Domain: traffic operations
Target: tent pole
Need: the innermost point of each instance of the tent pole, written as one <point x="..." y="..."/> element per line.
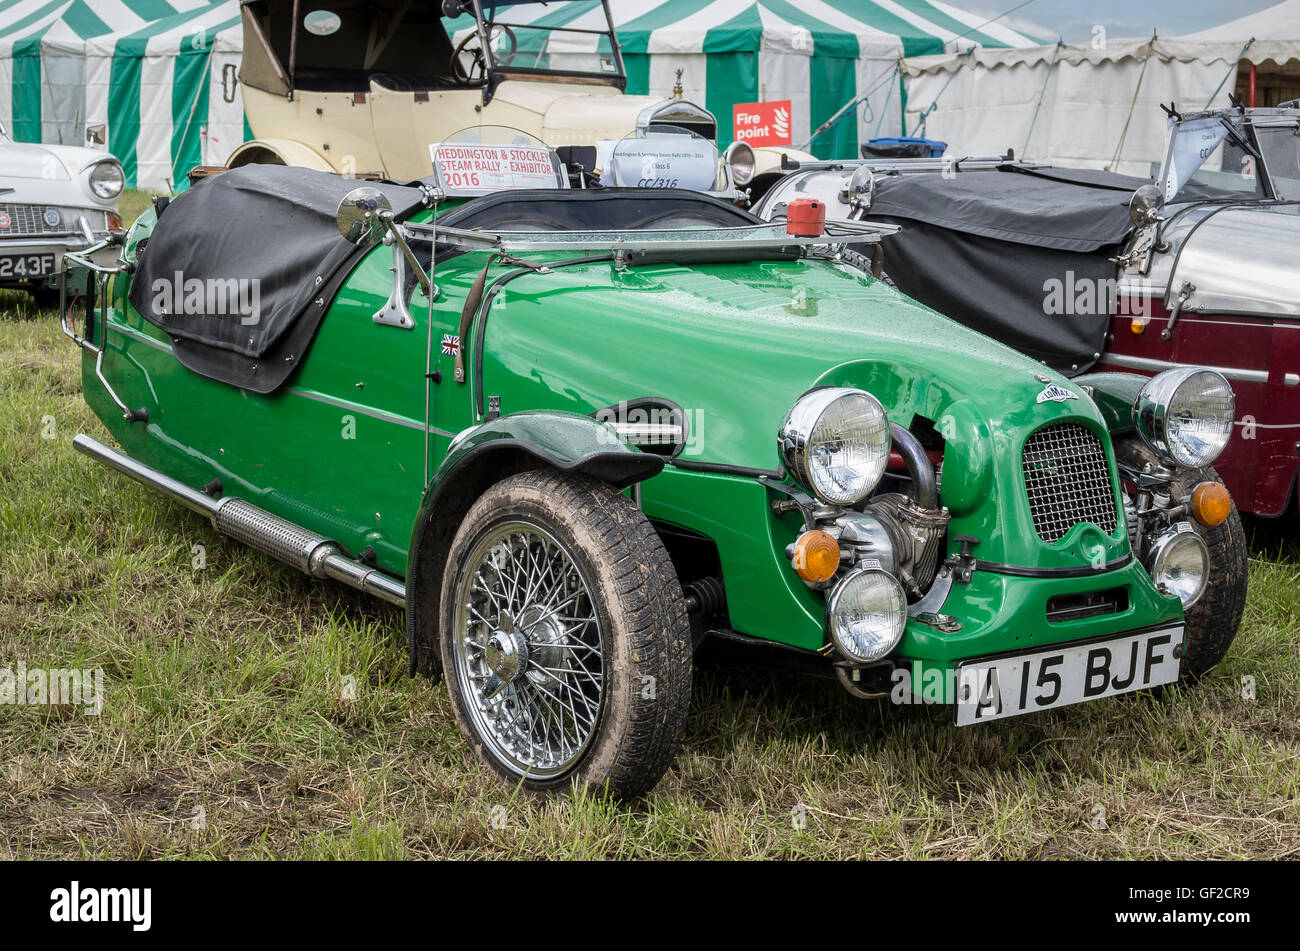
<point x="1060" y="42"/>
<point x="889" y="95"/>
<point x="1119" y="146"/>
<point x="840" y="113"/>
<point x="1232" y="72"/>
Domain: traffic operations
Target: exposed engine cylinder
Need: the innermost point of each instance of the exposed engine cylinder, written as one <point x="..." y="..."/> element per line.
<point x="918" y="536"/>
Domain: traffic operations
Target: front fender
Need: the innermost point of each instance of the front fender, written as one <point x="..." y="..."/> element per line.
<point x="482" y="456"/>
<point x="1114" y="394"/>
<point x="565" y="441"/>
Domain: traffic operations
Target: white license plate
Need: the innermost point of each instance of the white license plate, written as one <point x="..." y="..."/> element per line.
<point x="1026" y="683"/>
<point x="26" y="266"/>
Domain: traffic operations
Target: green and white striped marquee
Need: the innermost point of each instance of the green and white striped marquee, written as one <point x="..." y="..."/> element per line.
<point x="153" y="81"/>
<point x="42" y="61"/>
<point x="820" y="54"/>
<point x="167" y="96"/>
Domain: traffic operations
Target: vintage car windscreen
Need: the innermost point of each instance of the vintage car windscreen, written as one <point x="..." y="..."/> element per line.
<point x="342" y="45"/>
<point x="1280" y="145"/>
<point x="1212" y="157"/>
<point x="561" y="36"/>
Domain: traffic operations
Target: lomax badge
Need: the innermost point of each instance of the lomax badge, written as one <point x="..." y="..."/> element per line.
<point x="1057" y="394"/>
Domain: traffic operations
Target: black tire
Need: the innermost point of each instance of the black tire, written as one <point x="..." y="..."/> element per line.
<point x="1213" y="621"/>
<point x="578" y="528"/>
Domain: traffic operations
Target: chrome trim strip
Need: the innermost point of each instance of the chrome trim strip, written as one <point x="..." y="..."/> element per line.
<point x="318" y="397"/>
<point x="137" y="335"/>
<point x="372" y="413"/>
<point x="1243" y="424"/>
<point x="747" y="237"/>
<point x="1232" y="373"/>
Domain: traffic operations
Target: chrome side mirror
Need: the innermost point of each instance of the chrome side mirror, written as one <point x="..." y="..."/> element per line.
<point x="360" y="216"/>
<point x="860" y="190"/>
<point x="1144" y="208"/>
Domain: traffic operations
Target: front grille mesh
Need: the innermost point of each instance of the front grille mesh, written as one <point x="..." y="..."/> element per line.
<point x="29" y="220"/>
<point x="1068" y="481"/>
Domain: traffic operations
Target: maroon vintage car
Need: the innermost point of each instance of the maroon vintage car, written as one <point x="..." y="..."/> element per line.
<point x="1093" y="271"/>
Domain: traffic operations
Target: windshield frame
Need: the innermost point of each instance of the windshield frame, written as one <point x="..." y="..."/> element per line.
<point x="1250" y="120"/>
<point x="497" y="73"/>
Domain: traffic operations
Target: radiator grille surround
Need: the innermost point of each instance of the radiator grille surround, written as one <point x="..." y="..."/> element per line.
<point x="28" y="221"/>
<point x="1067" y="479"/>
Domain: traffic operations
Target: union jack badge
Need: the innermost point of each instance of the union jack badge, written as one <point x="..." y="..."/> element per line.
<point x="450" y="344"/>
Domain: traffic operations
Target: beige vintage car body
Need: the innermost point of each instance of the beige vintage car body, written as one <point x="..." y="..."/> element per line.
<point x="374" y="122"/>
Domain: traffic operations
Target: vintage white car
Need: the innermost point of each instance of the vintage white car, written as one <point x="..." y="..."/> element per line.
<point x="364" y="89"/>
<point x="53" y="199"/>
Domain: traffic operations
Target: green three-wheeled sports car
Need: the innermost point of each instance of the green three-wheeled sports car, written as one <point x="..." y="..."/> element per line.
<point x="578" y="432"/>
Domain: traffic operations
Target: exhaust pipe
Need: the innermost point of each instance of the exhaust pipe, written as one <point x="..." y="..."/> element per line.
<point x="312" y="554"/>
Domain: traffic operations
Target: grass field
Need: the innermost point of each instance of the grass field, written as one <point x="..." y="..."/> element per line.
<point x="228" y="730"/>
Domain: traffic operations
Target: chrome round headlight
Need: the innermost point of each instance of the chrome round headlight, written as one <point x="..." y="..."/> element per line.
<point x="1186" y="415"/>
<point x="835" y="441"/>
<point x="107" y="180"/>
<point x="867" y="613"/>
<point x="1179" y="562"/>
<point x="740" y="163"/>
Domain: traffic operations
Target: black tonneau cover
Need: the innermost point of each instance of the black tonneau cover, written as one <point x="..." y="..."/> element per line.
<point x="267" y="224"/>
<point x="983" y="247"/>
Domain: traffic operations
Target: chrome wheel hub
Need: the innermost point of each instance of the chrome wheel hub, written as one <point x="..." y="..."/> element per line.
<point x="529" y="650"/>
<point x="506" y="654"/>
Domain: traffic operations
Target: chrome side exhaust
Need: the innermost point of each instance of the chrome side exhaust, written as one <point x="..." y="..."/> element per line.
<point x="312" y="554"/>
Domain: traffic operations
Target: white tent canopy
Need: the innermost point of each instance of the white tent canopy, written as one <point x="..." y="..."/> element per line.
<point x="819" y="54"/>
<point x="42" y="60"/>
<point x="1091" y="105"/>
<point x="1276" y="32"/>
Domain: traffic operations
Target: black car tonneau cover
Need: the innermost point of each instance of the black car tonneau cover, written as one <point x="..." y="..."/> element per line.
<point x="982" y="247"/>
<point x="265" y="223"/>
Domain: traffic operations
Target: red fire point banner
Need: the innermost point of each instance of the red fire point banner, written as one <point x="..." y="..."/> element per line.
<point x="763" y="123"/>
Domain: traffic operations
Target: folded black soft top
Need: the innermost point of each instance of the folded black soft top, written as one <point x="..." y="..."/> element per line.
<point x="1064" y="209"/>
<point x="1008" y="253"/>
<point x="267" y="224"/>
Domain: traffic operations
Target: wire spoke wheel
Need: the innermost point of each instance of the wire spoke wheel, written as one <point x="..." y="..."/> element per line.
<point x="529" y="650"/>
<point x="564" y="637"/>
